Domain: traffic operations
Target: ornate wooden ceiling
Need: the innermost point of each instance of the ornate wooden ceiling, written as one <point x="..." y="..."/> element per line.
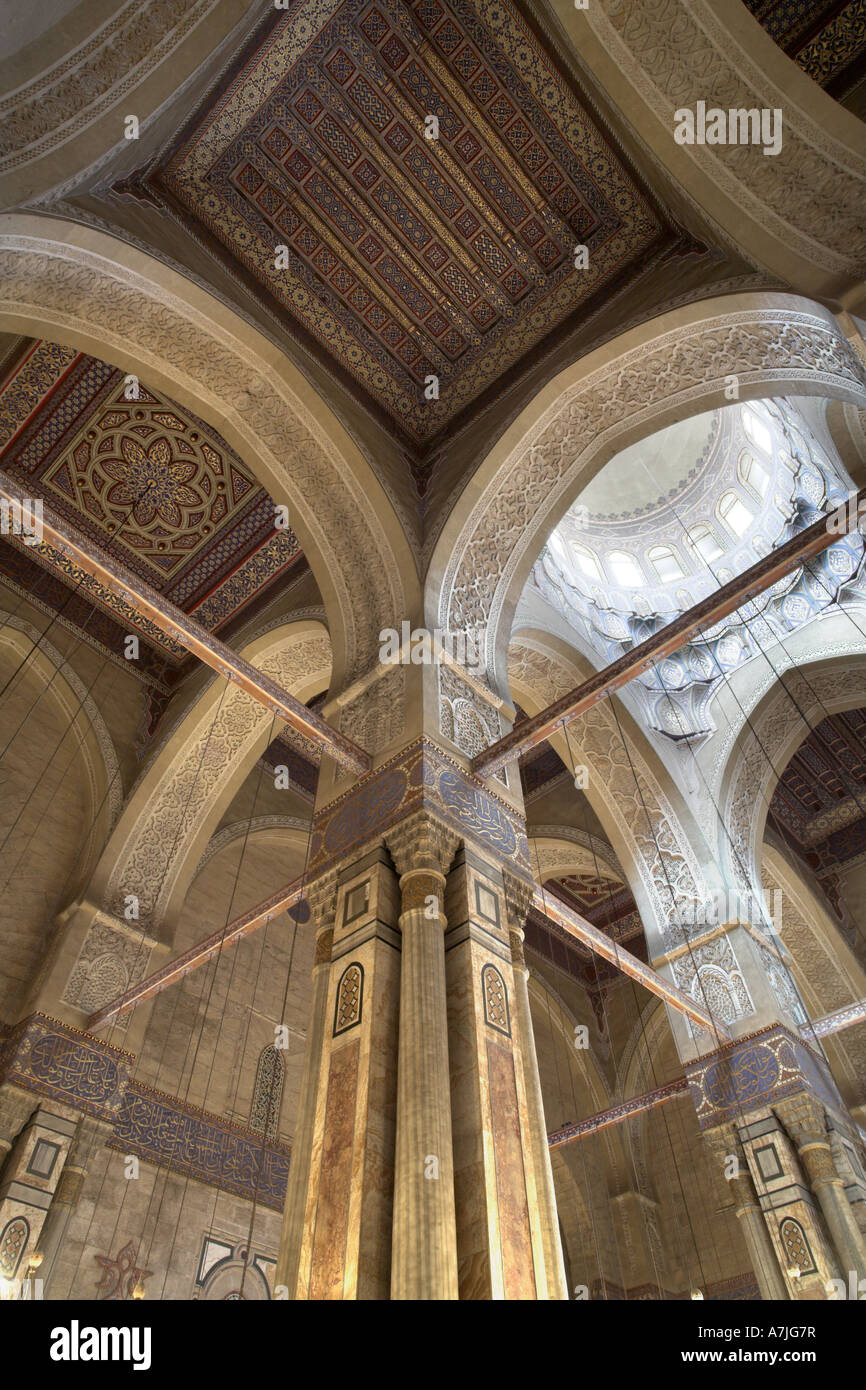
<point x="147" y="480"/>
<point x="823" y="788"/>
<point x="826" y="37"/>
<point x="407" y="257"/>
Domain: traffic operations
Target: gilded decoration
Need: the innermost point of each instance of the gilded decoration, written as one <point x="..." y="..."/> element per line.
<point x="407" y="255"/>
<point x="420" y="778"/>
<point x="175" y="505"/>
<point x="495" y="1000"/>
<point x="350" y="995"/>
<point x="758" y="1070"/>
<point x="75" y="1068"/>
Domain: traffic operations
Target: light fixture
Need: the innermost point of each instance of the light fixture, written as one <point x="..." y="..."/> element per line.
<point x="696" y="1293"/>
<point x="138" y="1291"/>
<point x="35" y="1260"/>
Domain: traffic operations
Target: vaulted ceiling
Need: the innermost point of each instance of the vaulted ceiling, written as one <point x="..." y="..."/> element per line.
<point x="827" y="38"/>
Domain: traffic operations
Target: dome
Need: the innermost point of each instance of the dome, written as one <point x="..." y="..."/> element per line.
<point x="668" y="521"/>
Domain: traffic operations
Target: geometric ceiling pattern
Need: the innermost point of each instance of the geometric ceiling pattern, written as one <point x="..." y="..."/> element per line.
<point x="819" y="805"/>
<point x="404" y="256"/>
<point x="146" y="480"/>
<point x="827" y="38"/>
<point x="823" y="788"/>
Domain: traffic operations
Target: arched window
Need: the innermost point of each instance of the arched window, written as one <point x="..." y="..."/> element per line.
<point x="268" y="1094"/>
<point x="702" y="540"/>
<point x="586" y="562"/>
<point x="666" y="563"/>
<point x="557" y="545"/>
<point x="732" y="510"/>
<point x="625" y="569"/>
<point x="757" y="432"/>
<point x="753" y="475"/>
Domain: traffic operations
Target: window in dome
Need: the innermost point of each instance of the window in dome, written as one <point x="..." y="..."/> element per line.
<point x="703" y="541"/>
<point x="755" y="477"/>
<point x="757" y="431"/>
<point x="586" y="562"/>
<point x="556" y="545"/>
<point x="625" y="569"/>
<point x="733" y="511"/>
<point x="666" y="563"/>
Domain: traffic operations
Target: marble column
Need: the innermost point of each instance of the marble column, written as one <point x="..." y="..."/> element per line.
<point x="725" y="1147"/>
<point x="322" y="904"/>
<point x="424" y="1242"/>
<point x="16" y="1107"/>
<point x="518" y="899"/>
<point x="805" y="1121"/>
<point x="30" y="1176"/>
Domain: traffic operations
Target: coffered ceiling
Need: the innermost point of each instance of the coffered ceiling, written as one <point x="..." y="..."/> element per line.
<point x="407" y="258"/>
<point x="146" y="480"/>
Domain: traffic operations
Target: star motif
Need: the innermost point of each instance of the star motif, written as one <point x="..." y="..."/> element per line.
<point x="151" y="483"/>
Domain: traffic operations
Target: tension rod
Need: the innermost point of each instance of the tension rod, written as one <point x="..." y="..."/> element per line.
<point x="172" y="621"/>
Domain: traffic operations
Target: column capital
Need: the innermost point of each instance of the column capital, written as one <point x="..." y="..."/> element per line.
<point x="518" y="900"/>
<point x="805" y="1120"/>
<point x="16" y="1107"/>
<point x="421" y="842"/>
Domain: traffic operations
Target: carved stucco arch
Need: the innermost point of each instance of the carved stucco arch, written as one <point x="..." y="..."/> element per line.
<point x="282" y="830"/>
<point x="557" y="850"/>
<point x="83" y="719"/>
<point x="66" y="283"/>
<point x="198" y="766"/>
<point x="541" y="668"/>
<point x="673" y="367"/>
<point x="826" y="971"/>
<point x="764" y="748"/>
<point x="71" y="86"/>
<point x="798" y="213"/>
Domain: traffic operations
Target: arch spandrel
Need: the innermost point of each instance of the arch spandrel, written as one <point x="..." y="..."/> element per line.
<point x="190" y="781"/>
<point x="825" y="969"/>
<point x="663" y="867"/>
<point x="84" y="289"/>
<point x="65" y="687"/>
<point x="675" y="366"/>
<point x="797" y="212"/>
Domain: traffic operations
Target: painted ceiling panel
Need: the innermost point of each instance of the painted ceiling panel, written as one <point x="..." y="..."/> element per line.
<point x="145" y="479"/>
<point x="407" y="257"/>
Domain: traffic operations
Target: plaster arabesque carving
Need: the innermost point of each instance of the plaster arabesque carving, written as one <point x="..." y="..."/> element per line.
<point x="155" y="850"/>
<point x="679" y="52"/>
<point x="758" y="760"/>
<point x="124" y="310"/>
<point x="665" y="860"/>
<point x="71" y="94"/>
<point x="686" y="364"/>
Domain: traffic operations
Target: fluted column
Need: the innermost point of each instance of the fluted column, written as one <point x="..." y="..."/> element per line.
<point x="424" y="1242"/>
<point x="322" y="901"/>
<point x="518" y="900"/>
<point x="806" y="1124"/>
